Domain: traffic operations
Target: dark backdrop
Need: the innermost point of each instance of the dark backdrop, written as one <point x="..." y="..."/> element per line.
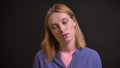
<point x="22" y="29"/>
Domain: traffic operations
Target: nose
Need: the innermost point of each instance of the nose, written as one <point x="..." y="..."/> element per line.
<point x="61" y="28"/>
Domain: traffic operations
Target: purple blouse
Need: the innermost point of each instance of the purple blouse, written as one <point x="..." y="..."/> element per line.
<point x="82" y="58"/>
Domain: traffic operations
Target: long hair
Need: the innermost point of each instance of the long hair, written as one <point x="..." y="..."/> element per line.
<point x="50" y="44"/>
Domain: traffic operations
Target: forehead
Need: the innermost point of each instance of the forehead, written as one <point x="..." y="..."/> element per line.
<point x="56" y="17"/>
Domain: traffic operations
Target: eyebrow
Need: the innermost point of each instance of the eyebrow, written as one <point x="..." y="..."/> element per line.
<point x="64" y="18"/>
<point x="60" y="20"/>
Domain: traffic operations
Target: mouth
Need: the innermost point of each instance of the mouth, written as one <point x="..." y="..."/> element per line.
<point x="65" y="35"/>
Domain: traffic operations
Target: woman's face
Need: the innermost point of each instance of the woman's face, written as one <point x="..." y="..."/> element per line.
<point x="62" y="26"/>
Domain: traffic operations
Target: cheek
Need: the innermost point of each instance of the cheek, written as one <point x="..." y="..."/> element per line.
<point x="72" y="27"/>
<point x="55" y="33"/>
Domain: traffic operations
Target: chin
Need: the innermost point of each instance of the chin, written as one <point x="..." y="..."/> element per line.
<point x="67" y="40"/>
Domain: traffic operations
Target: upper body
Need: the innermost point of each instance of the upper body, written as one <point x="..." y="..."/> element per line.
<point x="64" y="44"/>
<point x="85" y="58"/>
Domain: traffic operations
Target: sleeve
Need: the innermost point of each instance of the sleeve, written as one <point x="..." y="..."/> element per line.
<point x="93" y="59"/>
<point x="36" y="62"/>
<point x="39" y="60"/>
<point x="98" y="63"/>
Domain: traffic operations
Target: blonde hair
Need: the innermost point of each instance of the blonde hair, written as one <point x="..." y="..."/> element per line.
<point x="49" y="44"/>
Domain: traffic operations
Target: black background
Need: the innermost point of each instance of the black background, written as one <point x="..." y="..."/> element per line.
<point x="22" y="29"/>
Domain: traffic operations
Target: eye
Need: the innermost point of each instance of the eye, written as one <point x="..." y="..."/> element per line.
<point x="54" y="26"/>
<point x="64" y="21"/>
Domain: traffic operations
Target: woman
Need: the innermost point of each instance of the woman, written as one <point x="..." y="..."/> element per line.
<point x="64" y="45"/>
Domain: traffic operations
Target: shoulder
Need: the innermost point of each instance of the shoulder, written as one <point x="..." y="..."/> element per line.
<point x="92" y="55"/>
<point x="90" y="51"/>
<point x="39" y="60"/>
<point x="40" y="54"/>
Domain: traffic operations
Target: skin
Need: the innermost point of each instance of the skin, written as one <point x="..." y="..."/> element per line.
<point x="63" y="29"/>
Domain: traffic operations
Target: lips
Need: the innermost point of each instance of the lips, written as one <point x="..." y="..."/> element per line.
<point x="65" y="35"/>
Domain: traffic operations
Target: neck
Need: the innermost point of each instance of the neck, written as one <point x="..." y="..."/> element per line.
<point x="68" y="47"/>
